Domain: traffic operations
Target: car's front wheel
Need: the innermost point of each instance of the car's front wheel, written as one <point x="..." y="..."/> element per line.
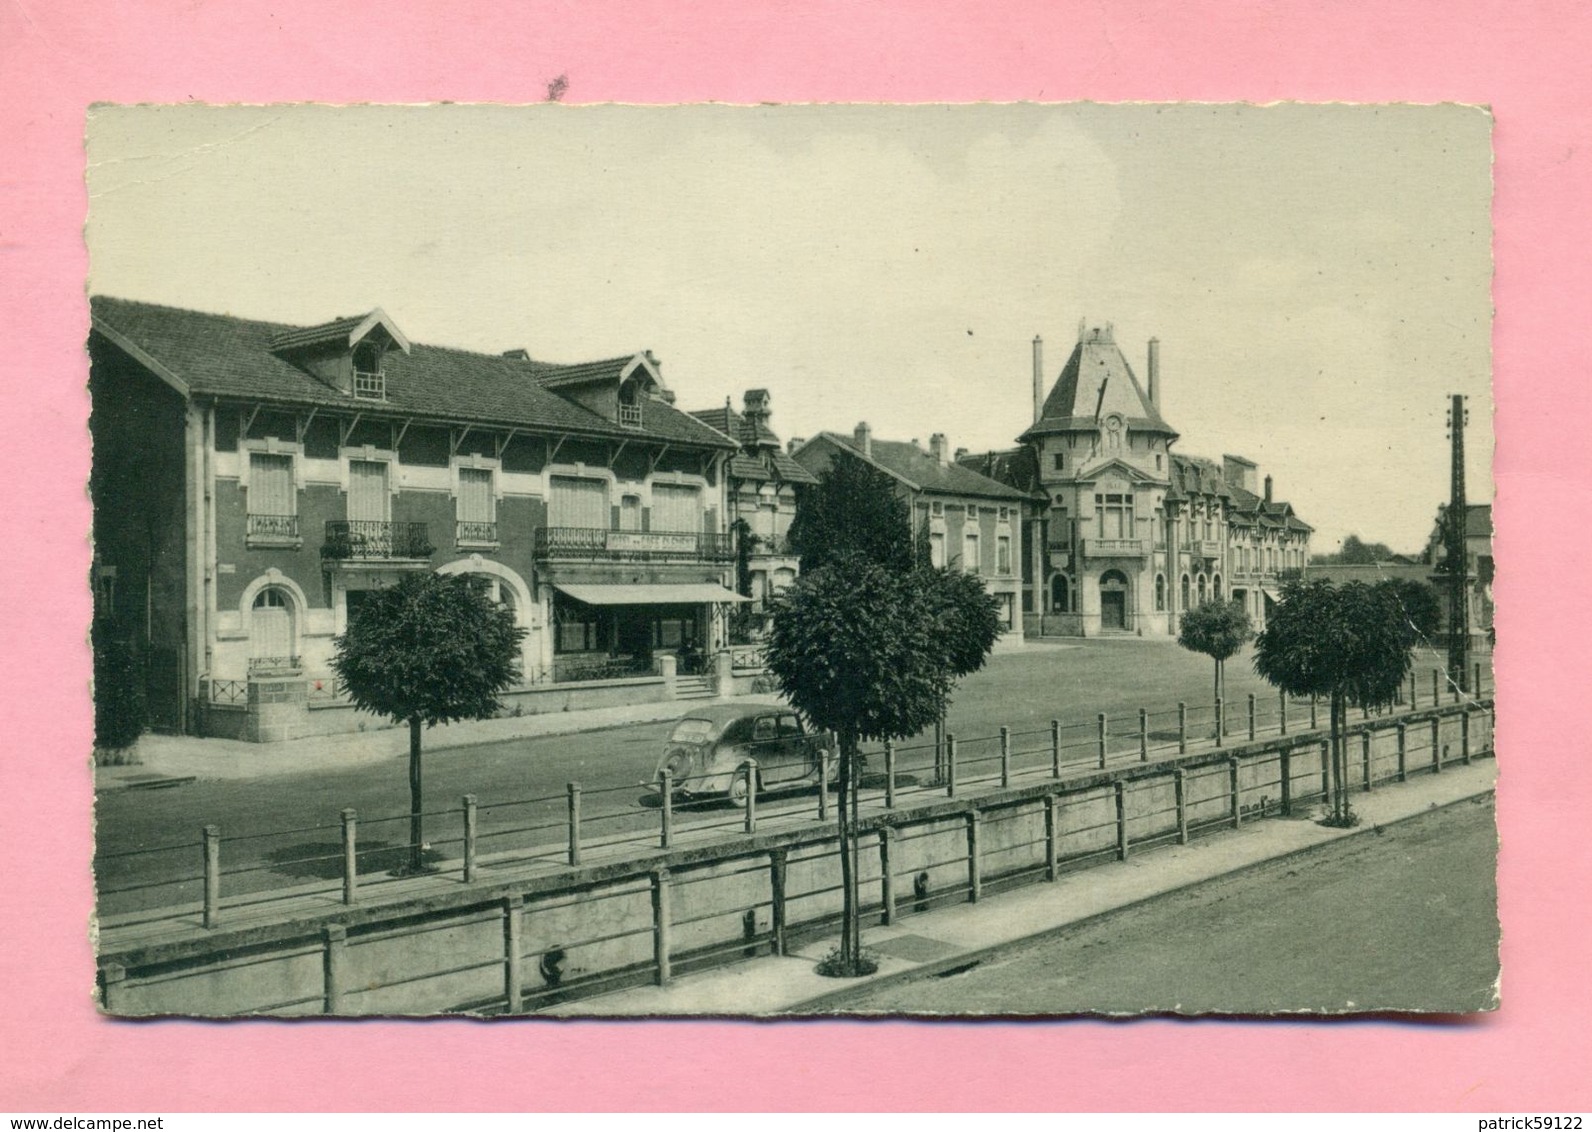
<point x="740" y="787"/>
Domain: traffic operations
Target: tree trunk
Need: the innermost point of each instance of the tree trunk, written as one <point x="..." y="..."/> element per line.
<point x="1340" y="783"/>
<point x="416" y="808"/>
<point x="848" y="879"/>
<point x="856" y="878"/>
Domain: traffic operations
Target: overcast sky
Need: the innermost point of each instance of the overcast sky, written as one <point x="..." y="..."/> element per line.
<point x="1319" y="277"/>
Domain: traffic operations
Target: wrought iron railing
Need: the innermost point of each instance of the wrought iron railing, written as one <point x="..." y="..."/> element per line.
<point x="370" y="385"/>
<point x="1114" y="548"/>
<point x="229" y="691"/>
<point x="273" y="527"/>
<point x="640" y="546"/>
<point x="372" y="539"/>
<point x="567" y="669"/>
<point x="472" y="533"/>
<point x="630" y="416"/>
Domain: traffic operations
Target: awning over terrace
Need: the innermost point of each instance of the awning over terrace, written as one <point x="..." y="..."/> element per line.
<point x="682" y="593"/>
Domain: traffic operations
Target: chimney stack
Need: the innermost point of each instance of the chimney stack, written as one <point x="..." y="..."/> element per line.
<point x="1155" y="374"/>
<point x="795" y="443"/>
<point x="960" y="452"/>
<point x="864" y="438"/>
<point x="1039" y="377"/>
<point x="1268" y="489"/>
<point x="939" y="449"/>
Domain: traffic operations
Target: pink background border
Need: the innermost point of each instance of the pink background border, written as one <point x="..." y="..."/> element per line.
<point x="1528" y="61"/>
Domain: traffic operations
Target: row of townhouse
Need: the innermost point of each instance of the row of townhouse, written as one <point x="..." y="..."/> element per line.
<point x="253" y="482"/>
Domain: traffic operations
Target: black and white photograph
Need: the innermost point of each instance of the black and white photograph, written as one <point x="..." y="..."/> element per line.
<point x="985" y="560"/>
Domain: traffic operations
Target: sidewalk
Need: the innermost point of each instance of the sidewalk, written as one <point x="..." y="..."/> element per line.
<point x="169" y="759"/>
<point x="923" y="944"/>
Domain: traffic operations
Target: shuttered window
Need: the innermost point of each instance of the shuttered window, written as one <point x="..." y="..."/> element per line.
<point x="475" y="496"/>
<point x="367" y="491"/>
<point x="270" y="484"/>
<point x="676" y="508"/>
<point x="578" y="503"/>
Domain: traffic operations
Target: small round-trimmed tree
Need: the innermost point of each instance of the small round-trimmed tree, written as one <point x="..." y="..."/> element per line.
<point x="853" y="508"/>
<point x="1218" y="629"/>
<point x="1350" y="644"/>
<point x="871" y="653"/>
<point x="432" y="649"/>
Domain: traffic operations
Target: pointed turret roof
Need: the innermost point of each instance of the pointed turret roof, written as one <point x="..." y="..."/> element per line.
<point x="1076" y="401"/>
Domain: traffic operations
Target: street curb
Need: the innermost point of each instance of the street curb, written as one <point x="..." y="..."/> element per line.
<point x="829" y="1005"/>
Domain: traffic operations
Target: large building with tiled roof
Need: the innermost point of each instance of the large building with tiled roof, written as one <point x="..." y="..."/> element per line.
<point x="763" y="486"/>
<point x="252" y="481"/>
<point x="1125" y="534"/>
<point x="971" y="521"/>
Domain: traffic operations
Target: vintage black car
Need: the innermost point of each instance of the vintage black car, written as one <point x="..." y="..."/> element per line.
<point x="725" y="749"/>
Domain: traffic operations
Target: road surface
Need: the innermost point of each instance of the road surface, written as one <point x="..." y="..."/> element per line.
<point x="1399" y="920"/>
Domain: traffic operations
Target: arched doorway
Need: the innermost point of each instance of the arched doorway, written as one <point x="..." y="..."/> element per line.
<point x="271" y="631"/>
<point x="1113" y="600"/>
<point x="1060" y="594"/>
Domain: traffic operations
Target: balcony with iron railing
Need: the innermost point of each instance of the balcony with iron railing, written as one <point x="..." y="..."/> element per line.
<point x="273" y="530"/>
<point x="630" y="416"/>
<point x="474" y="533"/>
<point x="374" y="540"/>
<point x="1115" y="547"/>
<point x="596" y="544"/>
<point x="1207" y="548"/>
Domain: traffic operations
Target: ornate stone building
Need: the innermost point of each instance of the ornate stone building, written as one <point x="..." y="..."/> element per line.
<point x="1125" y="533"/>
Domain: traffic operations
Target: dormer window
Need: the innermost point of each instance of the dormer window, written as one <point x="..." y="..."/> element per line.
<point x="629" y="405"/>
<point x="370" y="383"/>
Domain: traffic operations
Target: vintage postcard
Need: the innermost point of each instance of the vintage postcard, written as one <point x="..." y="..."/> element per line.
<point x="786" y="560"/>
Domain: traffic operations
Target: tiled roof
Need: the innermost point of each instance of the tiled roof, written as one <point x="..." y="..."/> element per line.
<point x="1014" y="467"/>
<point x="220" y="355"/>
<point x="789" y="470"/>
<point x="1195" y="475"/>
<point x="750" y="433"/>
<point x="922" y="471"/>
<point x="1075" y="401"/>
<point x="337" y="329"/>
<point x="1248" y="509"/>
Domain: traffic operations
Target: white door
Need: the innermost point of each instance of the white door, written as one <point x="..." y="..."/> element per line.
<point x="270" y="629"/>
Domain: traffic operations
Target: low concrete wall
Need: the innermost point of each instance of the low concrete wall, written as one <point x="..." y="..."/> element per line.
<point x="511" y="946"/>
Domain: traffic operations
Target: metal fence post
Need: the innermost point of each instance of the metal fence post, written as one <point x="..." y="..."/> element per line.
<point x="1180" y="790"/>
<point x="112" y="976"/>
<point x="750" y="769"/>
<point x="1144" y="736"/>
<point x="513" y="981"/>
<point x="1475" y="686"/>
<point x="1437" y="689"/>
<point x="886" y="875"/>
<point x="823" y="785"/>
<point x="1404" y="746"/>
<point x="661" y="930"/>
<point x="573" y="791"/>
<point x="469" y="838"/>
<point x="666" y="810"/>
<point x="1365" y="757"/>
<point x="1252" y="717"/>
<point x="350" y="856"/>
<point x="1122" y="819"/>
<point x="974" y="865"/>
<point x="950" y="765"/>
<point x="889" y="774"/>
<point x="1464" y="735"/>
<point x="334" y="942"/>
<point x="1101" y="725"/>
<point x="1055" y="748"/>
<point x="1314" y="721"/>
<point x="211" y="836"/>
<point x="778" y="863"/>
<point x="1414" y="684"/>
<point x="1285" y="765"/>
<point x="1221" y="722"/>
<point x="1437" y="746"/>
<point x="1182" y="728"/>
<point x="1233" y="792"/>
<point x="1006" y="756"/>
<point x="1326" y="770"/>
<point x="1052" y="834"/>
<point x="1282" y="712"/>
